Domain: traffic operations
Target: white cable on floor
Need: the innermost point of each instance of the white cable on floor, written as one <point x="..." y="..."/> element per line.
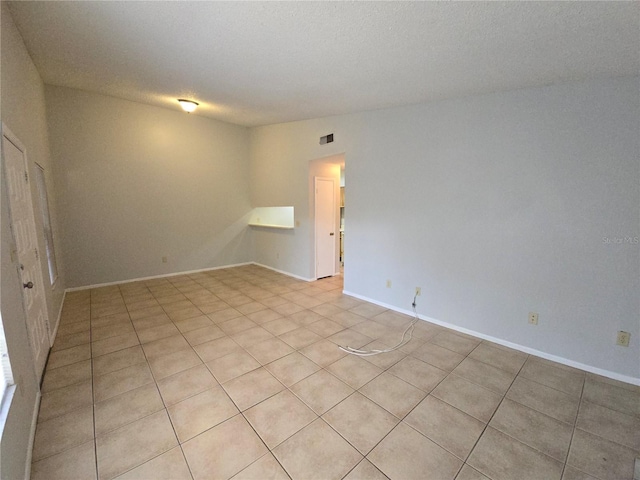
<point x="403" y="342"/>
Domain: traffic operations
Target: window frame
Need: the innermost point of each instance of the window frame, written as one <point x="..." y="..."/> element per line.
<point x="43" y="201"/>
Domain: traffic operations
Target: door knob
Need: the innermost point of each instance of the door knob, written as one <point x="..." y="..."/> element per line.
<point x="28" y="285"/>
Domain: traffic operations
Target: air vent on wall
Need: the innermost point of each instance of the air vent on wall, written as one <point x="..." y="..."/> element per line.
<point x="326" y="139"/>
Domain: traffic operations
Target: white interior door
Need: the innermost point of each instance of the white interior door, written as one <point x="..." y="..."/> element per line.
<point x="325" y="207"/>
<point x="23" y="228"/>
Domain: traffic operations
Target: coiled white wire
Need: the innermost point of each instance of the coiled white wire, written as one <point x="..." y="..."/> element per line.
<point x="403" y="341"/>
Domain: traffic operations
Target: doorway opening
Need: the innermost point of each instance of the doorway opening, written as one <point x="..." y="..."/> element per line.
<point x="327" y="214"/>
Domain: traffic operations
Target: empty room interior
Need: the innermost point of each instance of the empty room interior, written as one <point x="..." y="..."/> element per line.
<point x="373" y="240"/>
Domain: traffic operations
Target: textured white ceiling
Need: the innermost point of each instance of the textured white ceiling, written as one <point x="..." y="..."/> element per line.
<point x="256" y="63"/>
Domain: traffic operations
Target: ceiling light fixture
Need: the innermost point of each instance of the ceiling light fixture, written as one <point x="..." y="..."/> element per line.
<point x="187" y="105"/>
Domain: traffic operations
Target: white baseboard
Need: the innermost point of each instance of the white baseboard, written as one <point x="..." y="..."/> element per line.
<point x="32" y="437"/>
<point x="164" y="275"/>
<point x="499" y="341"/>
<point x="289" y="274"/>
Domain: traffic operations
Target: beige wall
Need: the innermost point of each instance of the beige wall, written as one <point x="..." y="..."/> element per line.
<point x="138" y="183"/>
<point x="23" y="112"/>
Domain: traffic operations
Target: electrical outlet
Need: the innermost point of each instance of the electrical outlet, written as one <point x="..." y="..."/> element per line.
<point x="623" y="339"/>
<point x="388" y="283"/>
<point x="418" y="291"/>
<point x="297" y="223"/>
<point x="278" y="256"/>
<point x="533" y="318"/>
<point x="164" y="259"/>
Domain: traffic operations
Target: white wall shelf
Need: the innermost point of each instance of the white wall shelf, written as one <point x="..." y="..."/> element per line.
<point x="266" y="225"/>
<point x="272" y="217"/>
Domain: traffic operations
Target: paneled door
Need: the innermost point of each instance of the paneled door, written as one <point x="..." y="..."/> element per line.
<point x="325" y="209"/>
<point x="23" y="228"/>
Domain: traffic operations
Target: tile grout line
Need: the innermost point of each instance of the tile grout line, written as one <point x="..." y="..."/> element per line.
<point x="93" y="390"/>
<point x="493" y="414"/>
<point x="153" y="413"/>
<point x="395" y="426"/>
<point x="575" y="425"/>
<point x="123" y="393"/>
<point x="269" y="450"/>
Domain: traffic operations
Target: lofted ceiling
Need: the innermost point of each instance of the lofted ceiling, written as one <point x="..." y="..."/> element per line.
<point x="257" y="63"/>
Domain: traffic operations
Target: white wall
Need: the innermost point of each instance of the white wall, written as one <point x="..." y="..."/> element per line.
<point x="495" y="205"/>
<point x="138" y="183"/>
<point x="23" y="112"/>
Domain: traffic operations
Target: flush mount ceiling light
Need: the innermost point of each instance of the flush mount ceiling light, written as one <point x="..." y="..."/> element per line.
<point x="187" y="105"/>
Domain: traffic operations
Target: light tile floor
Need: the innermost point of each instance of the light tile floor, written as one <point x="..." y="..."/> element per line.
<point x="236" y="373"/>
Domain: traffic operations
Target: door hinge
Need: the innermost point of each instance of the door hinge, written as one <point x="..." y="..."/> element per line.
<point x="26" y="177"/>
<point x="37" y="255"/>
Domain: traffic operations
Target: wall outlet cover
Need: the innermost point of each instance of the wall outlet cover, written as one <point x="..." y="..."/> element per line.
<point x="623" y="339"/>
